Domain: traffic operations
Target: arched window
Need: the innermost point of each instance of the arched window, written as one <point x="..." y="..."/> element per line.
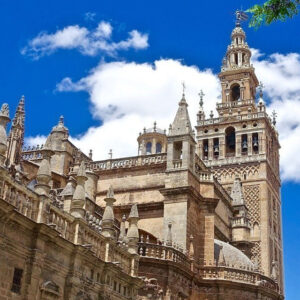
<point x="158" y="147"/>
<point x="236" y="58"/>
<point x="230" y="141"/>
<point x="255" y="142"/>
<point x="235" y="92"/>
<point x="148" y="148"/>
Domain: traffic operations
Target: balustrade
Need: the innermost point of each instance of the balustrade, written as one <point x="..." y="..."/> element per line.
<point x="239" y="274"/>
<point x="163" y="252"/>
<point x="128" y="162"/>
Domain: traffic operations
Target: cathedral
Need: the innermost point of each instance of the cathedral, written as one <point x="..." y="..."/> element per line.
<point x="195" y="215"/>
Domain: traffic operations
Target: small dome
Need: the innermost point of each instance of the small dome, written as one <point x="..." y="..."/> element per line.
<point x="238" y="31"/>
<point x="60" y="127"/>
<point x="232" y="256"/>
<point x="158" y="130"/>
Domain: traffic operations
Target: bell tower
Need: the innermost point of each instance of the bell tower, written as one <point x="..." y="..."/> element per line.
<point x="242" y="141"/>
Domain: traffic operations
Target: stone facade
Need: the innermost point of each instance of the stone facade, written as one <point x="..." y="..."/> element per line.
<point x="195" y="215"/>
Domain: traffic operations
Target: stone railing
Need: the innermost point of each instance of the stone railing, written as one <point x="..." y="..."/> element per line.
<point x="238" y="275"/>
<point x="244" y="117"/>
<point x="232" y="104"/>
<point x="200" y="163"/>
<point x="163" y="252"/>
<point x="128" y="162"/>
<point x="240" y="221"/>
<point x="177" y="163"/>
<point x="61" y="222"/>
<point x="206" y="176"/>
<point x="221" y="189"/>
<point x="32" y="153"/>
<point x="24" y="201"/>
<point x="235" y="160"/>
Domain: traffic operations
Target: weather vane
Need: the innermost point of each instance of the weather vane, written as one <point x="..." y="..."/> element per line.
<point x="240" y="16"/>
<point x="201" y="95"/>
<point x="261" y="86"/>
<point x="183" y="88"/>
<point x="274" y="116"/>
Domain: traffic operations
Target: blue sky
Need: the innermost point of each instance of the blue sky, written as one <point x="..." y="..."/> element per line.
<point x="124" y="88"/>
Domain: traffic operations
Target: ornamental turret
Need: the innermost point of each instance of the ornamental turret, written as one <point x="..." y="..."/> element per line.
<point x="181" y="140"/>
<point x="152" y="141"/>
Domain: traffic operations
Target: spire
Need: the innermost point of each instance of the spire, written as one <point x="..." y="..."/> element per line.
<point x="237" y="193"/>
<point x="133" y="231"/>
<point x="181" y="124"/>
<point x="16" y="135"/>
<point x="4" y="119"/>
<point x="108" y="215"/>
<point x="78" y="202"/>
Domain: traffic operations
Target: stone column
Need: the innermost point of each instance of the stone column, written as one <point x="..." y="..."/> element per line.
<point x="250" y="146"/>
<point x="210" y="149"/>
<point x="238" y="141"/>
<point x="222" y="147"/>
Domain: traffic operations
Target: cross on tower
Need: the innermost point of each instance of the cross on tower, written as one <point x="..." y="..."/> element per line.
<point x="261" y="86"/>
<point x="110" y="154"/>
<point x="201" y="95"/>
<point x="274" y="116"/>
<point x="183" y="88"/>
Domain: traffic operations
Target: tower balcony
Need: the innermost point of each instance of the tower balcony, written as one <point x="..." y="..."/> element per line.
<point x="234" y="104"/>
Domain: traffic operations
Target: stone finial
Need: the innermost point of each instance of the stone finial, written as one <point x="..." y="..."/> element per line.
<point x="201" y="95"/>
<point x="237" y="192"/>
<point x="110" y="192"/>
<point x="221" y="258"/>
<point x="4" y="119"/>
<point x="274" y="271"/>
<point x="133" y="231"/>
<point x="169" y="235"/>
<point x="154" y="126"/>
<point x="91" y="154"/>
<point x="78" y="202"/>
<point x="191" y="247"/>
<point x="211" y="114"/>
<point x="110" y="154"/>
<point x="108" y="215"/>
<point x="274" y="116"/>
<point x="122" y="229"/>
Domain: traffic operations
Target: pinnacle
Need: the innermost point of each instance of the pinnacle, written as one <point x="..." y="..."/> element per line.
<point x="133" y="212"/>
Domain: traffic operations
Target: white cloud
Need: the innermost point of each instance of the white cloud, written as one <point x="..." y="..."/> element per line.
<point x="88" y="42"/>
<point x="281" y="77"/>
<point x="127" y="96"/>
<point x="35" y="140"/>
